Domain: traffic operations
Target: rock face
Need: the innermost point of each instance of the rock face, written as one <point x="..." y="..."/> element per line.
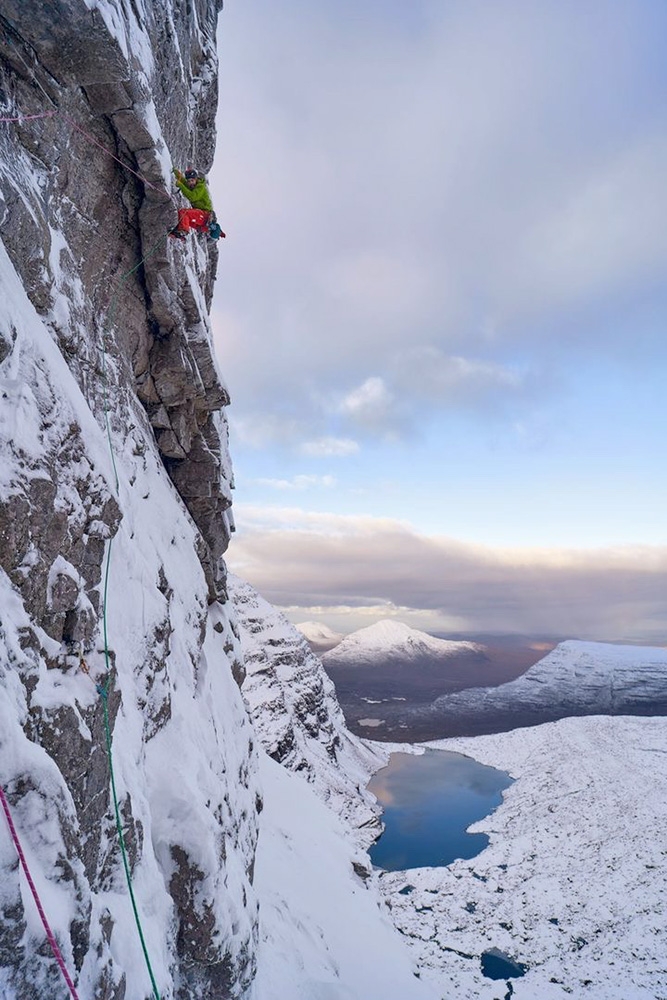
<point x="129" y="87"/>
<point x="105" y="349"/>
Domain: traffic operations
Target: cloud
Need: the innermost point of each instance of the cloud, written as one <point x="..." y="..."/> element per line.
<point x="305" y="560"/>
<point x="370" y="404"/>
<point x="606" y="232"/>
<point x="423" y="380"/>
<point x="265" y="429"/>
<point x="301" y="482"/>
<point x="377" y="285"/>
<point x="392" y="178"/>
<point x="453" y="381"/>
<point x="329" y="447"/>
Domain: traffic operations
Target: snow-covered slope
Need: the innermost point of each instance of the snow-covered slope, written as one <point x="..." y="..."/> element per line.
<point x="574" y="881"/>
<point x="182" y="755"/>
<point x="324" y="931"/>
<point x="387" y="641"/>
<point x="323" y="934"/>
<point x="576" y="678"/>
<point x="105" y="350"/>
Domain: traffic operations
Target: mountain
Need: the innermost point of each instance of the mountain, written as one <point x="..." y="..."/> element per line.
<point x="293" y="705"/>
<point x="576" y="678"/>
<point x="320" y="637"/>
<point x="175" y="771"/>
<point x="390" y="641"/>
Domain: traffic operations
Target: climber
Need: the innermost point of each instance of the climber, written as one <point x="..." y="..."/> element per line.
<point x="201" y="216"/>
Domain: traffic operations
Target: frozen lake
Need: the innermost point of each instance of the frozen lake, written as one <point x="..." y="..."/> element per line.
<point x="428" y="801"/>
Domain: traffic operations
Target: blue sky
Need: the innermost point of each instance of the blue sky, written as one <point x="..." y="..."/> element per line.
<point x="441" y="310"/>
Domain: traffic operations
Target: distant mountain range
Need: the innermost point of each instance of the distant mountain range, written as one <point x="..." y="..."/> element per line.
<point x="403" y="684"/>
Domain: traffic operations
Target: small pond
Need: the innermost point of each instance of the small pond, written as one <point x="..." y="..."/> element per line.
<point x="429" y="800"/>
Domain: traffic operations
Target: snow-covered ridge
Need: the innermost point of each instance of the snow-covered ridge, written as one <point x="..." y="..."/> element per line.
<point x="293" y="705"/>
<point x="389" y="640"/>
<point x="576" y="678"/>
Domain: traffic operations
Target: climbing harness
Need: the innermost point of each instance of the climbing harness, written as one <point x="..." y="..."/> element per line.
<point x="35" y="895"/>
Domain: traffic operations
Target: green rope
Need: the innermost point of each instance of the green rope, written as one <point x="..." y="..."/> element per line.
<point x="119" y="827"/>
<point x="103" y="690"/>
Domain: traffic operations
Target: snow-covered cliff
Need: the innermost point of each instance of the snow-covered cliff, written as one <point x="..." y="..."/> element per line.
<point x="297" y="717"/>
<point x="112" y="432"/>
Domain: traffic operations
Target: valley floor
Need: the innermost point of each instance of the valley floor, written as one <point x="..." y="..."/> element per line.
<point x="574" y="881"/>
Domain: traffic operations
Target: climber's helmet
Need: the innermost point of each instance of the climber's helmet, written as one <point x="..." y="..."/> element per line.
<point x="191" y="176"/>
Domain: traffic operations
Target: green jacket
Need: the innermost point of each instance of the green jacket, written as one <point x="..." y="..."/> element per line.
<point x="198" y="196"/>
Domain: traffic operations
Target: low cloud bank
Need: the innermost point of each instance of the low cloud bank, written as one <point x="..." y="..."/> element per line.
<point x="356" y="570"/>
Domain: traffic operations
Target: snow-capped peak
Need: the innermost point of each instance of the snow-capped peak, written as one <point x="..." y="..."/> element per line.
<point x="389" y="639"/>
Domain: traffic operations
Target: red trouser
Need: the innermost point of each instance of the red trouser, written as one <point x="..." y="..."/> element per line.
<point x="193" y="218"/>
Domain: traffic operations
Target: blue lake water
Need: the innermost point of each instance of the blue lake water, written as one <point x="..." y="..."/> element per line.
<point x="428" y="801"/>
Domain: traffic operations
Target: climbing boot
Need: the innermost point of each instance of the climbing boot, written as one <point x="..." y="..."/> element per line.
<point x="178" y="234"/>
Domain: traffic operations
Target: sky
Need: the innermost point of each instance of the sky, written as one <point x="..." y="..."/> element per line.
<point x="441" y="311"/>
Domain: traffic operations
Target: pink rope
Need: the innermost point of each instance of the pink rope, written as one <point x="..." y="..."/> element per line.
<point x="49" y="933"/>
<point x="29" y="118"/>
<point x="90" y="138"/>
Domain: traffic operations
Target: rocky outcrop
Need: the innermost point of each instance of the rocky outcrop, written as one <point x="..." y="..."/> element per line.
<point x="296" y="714"/>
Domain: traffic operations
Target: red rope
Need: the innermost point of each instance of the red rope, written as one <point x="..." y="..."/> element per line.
<point x="49" y="933"/>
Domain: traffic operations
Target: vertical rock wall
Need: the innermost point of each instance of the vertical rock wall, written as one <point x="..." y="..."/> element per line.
<point x="96" y="351"/>
<point x="139" y="81"/>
